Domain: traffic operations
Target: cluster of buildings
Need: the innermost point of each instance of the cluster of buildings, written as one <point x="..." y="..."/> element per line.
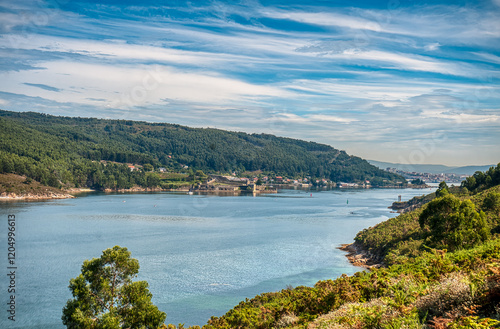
<point x="429" y="178"/>
<point x="218" y="184"/>
<point x="299" y="182"/>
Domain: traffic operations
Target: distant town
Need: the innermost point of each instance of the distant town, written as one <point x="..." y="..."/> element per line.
<point x="428" y="177"/>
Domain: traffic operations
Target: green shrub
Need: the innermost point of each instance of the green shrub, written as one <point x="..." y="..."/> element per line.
<point x="454" y="224"/>
<point x="492" y="202"/>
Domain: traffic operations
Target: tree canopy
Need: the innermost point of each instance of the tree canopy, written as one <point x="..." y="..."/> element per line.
<point x="106" y="297"/>
<point x="483" y="180"/>
<point x="454" y="224"/>
<point x="442" y="189"/>
<point x="492" y="201"/>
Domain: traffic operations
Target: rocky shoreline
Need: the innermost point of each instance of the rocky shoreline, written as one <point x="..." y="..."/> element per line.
<point x="34" y="197"/>
<point x="67" y="194"/>
<point x="73" y="192"/>
<point x="358" y="256"/>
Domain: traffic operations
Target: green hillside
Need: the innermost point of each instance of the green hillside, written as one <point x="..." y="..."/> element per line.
<point x="89" y="152"/>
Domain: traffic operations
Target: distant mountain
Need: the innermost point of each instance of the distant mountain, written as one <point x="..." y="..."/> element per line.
<point x="431" y="169"/>
<point x="469" y="170"/>
<point x="92" y="152"/>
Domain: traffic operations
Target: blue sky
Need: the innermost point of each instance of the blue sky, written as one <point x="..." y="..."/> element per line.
<point x="397" y="80"/>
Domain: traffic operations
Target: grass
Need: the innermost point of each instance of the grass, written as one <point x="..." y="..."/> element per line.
<point x="15" y="185"/>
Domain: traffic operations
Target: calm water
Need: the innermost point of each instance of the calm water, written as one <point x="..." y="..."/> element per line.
<point x="200" y="254"/>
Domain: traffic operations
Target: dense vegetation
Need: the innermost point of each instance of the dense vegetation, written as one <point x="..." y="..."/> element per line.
<point x="440" y="269"/>
<point x="19" y="186"/>
<point x="105" y="297"/>
<point x="89" y="152"/>
<point x="482" y="180"/>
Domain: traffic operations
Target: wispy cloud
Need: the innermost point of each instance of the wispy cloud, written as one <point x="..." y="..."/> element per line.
<point x="324" y="19"/>
<point x="42" y="86"/>
<point x="133" y="86"/>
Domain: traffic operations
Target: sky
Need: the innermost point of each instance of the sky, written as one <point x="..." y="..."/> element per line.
<point x="414" y="82"/>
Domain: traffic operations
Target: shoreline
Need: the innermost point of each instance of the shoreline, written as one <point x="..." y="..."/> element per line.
<point x="71" y="193"/>
<point x="35" y="197"/>
<point x="360" y="257"/>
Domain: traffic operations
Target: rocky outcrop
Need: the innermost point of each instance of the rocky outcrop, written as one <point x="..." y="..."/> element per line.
<point x="358" y="256"/>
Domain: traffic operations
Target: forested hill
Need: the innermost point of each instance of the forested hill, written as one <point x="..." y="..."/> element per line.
<point x="68" y="150"/>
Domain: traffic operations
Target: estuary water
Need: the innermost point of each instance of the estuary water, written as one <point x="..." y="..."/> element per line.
<point x="200" y="254"/>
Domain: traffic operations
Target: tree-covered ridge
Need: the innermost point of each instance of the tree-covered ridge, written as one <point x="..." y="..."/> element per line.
<point x="483" y="180"/>
<point x="452" y="220"/>
<point x="56" y="150"/>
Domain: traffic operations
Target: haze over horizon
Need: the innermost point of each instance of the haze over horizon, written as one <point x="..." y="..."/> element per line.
<point x="396" y="81"/>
